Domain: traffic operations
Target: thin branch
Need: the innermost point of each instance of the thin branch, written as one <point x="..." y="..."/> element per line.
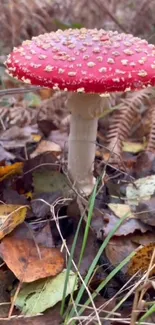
<point x="13" y="91"/>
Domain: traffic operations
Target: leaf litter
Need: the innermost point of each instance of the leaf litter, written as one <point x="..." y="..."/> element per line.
<point x="33" y="179"/>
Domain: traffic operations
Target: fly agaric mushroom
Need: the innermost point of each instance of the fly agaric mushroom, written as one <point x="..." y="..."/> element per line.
<point x="90" y="64"/>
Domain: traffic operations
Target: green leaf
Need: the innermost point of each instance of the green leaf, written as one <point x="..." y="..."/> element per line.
<point x="50" y="181"/>
<point x="141" y="189"/>
<point x="32" y="99"/>
<point x="40" y="295"/>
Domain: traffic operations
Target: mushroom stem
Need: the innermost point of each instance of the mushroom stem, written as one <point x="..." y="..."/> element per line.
<point x="85" y="109"/>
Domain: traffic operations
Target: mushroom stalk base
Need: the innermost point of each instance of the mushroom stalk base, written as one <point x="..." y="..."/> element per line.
<point x="83" y="131"/>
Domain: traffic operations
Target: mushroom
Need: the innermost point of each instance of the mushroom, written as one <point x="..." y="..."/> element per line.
<point x="89" y="64"/>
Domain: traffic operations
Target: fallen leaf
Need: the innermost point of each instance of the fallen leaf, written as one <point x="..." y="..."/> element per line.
<point x="7" y="171"/>
<point x="46" y="126"/>
<point x="103" y="224"/>
<point x="32" y="99"/>
<point x="141" y="261"/>
<point x="6" y="281"/>
<point x="51" y="181"/>
<point x="45" y="146"/>
<point x="144" y="239"/>
<point x="44" y="319"/>
<point x="10" y="217"/>
<point x="46" y="93"/>
<point x="145" y="211"/>
<point x="42" y="234"/>
<point x="141" y="189"/>
<point x="121" y="210"/>
<point x="41" y="203"/>
<point x="144" y="165"/>
<point x="36" y="137"/>
<point x="16" y="137"/>
<point x="38" y="296"/>
<point x="59" y="137"/>
<point x="118" y="249"/>
<point x="30" y="261"/>
<point x="39" y="162"/>
<point x="133" y="147"/>
<point x="5" y="155"/>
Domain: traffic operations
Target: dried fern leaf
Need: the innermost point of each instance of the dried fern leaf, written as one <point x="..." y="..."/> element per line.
<point x="123" y="118"/>
<point x="151" y="138"/>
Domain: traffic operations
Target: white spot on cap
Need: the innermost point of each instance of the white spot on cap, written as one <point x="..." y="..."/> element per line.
<point x="111" y="61"/>
<point x="128" y="52"/>
<point x="49" y="68"/>
<point x="132" y="64"/>
<point x="91" y="64"/>
<point x="72" y="73"/>
<point x="42" y="57"/>
<point x="124" y="62"/>
<point x="27" y="81"/>
<point x="99" y="58"/>
<point x="60" y="71"/>
<point x="116" y="53"/>
<point x="103" y="69"/>
<point x="96" y="50"/>
<point x="81" y="90"/>
<point x="142" y="73"/>
<point x="119" y="71"/>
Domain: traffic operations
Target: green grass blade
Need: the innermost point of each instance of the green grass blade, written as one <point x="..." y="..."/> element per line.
<point x="95" y="261"/>
<point x="150" y="311"/>
<point x="108" y="278"/>
<point x="69" y="265"/>
<point x="89" y="218"/>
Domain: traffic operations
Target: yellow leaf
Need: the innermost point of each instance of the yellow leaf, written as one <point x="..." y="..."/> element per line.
<point x="133" y="147"/>
<point x="121" y="210"/>
<point x="36" y="137"/>
<point x="141" y="261"/>
<point x="7" y="171"/>
<point x="10" y="217"/>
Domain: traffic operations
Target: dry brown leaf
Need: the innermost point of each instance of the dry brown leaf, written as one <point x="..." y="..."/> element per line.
<point x="104" y="224"/>
<point x="10" y="217"/>
<point x="7" y="171"/>
<point x="118" y="249"/>
<point x="45" y="146"/>
<point x="144" y="239"/>
<point x="141" y="260"/>
<point x="46" y="93"/>
<point x="30" y="261"/>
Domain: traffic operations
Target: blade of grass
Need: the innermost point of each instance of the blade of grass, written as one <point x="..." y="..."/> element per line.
<point x="69" y="265"/>
<point x="108" y="278"/>
<point x="95" y="261"/>
<point x="150" y="311"/>
<point x="91" y="207"/>
<point x="89" y="218"/>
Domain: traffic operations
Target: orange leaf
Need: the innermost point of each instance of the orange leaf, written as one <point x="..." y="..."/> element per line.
<point x="141" y="260"/>
<point x="30" y="261"/>
<point x="7" y="171"/>
<point x="10" y="217"/>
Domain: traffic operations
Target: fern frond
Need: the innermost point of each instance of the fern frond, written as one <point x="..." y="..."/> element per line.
<point x="151" y="138"/>
<point x="124" y="116"/>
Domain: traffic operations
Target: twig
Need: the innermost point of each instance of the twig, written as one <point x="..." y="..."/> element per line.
<point x="13" y="91"/>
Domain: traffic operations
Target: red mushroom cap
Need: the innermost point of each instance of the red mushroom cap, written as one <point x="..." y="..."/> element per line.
<point x="84" y="60"/>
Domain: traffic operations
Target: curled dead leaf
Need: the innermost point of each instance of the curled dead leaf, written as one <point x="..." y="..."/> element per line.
<point x="10" y="217"/>
<point x="30" y="261"/>
<point x="45" y="146"/>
